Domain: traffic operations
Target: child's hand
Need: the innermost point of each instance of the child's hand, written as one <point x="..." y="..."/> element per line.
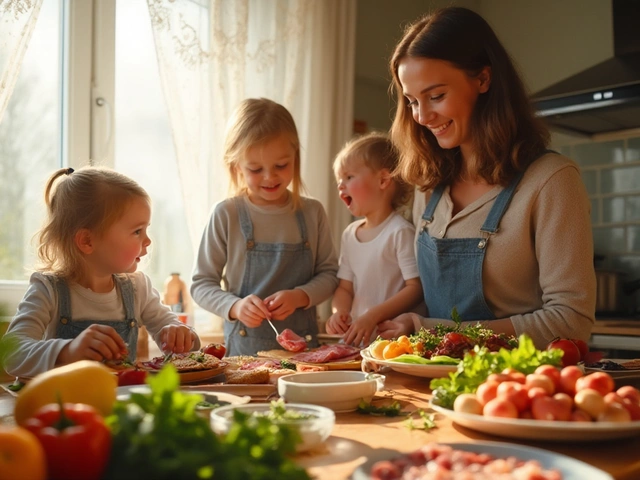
<point x="177" y="338"/>
<point x="283" y="303"/>
<point x="96" y="342"/>
<point x="250" y="310"/>
<point x="361" y="330"/>
<point x="338" y="323"/>
<point x="401" y="325"/>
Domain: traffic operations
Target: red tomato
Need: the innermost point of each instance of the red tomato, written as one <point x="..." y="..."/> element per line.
<point x="216" y="349"/>
<point x="571" y="352"/>
<point x="630" y="393"/>
<point x="131" y="376"/>
<point x="582" y="347"/>
<point x="550" y="409"/>
<point x="516" y="393"/>
<point x="76" y="428"/>
<point x="599" y="381"/>
<point x="568" y="378"/>
<point x="552" y="372"/>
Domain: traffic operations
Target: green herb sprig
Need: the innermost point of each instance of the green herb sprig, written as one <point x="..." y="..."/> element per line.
<point x="159" y="435"/>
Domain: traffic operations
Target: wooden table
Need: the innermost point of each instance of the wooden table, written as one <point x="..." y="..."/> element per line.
<point x="356" y="437"/>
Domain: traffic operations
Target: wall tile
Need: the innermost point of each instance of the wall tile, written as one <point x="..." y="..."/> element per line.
<point x="608" y="239"/>
<point x="589" y="178"/>
<point x="633" y="150"/>
<point x="632" y="211"/>
<point x="633" y="238"/>
<point x="605" y="153"/>
<point x="613" y="210"/>
<point x="619" y="180"/>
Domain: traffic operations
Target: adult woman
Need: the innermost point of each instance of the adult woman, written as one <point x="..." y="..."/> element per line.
<point x="505" y="236"/>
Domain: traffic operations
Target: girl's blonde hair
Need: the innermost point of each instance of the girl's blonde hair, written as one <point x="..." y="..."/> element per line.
<point x="254" y="122"/>
<point x="91" y="198"/>
<point x="377" y="152"/>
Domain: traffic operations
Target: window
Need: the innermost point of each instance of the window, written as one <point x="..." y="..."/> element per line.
<point x="143" y="144"/>
<point x="30" y="143"/>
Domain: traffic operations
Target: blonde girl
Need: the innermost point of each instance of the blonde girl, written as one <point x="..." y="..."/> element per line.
<point x="266" y="252"/>
<point x="371" y="291"/>
<point x="86" y="300"/>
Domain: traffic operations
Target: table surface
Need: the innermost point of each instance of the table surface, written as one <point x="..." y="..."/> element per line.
<point x="357" y="437"/>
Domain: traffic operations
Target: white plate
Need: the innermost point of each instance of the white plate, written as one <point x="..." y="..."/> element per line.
<point x="123" y="393"/>
<point x="429" y="371"/>
<point x="541" y="429"/>
<point x="570" y="468"/>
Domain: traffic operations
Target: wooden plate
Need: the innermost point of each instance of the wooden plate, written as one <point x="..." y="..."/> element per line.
<point x="337" y="365"/>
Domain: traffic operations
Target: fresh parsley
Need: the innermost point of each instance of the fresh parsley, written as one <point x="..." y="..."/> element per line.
<point x="428" y="421"/>
<point x="159" y="435"/>
<point x="392" y="410"/>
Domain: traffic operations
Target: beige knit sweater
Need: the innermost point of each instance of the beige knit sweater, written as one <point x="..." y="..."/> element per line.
<point x="538" y="269"/>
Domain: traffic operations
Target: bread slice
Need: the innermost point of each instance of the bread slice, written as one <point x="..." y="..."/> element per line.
<point x="194" y="361"/>
<point x="247" y="377"/>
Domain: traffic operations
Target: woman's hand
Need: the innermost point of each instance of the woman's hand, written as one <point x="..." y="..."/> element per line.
<point x="338" y="323"/>
<point x="250" y="310"/>
<point x="96" y="342"/>
<point x="401" y="325"/>
<point x="177" y="338"/>
<point x="283" y="303"/>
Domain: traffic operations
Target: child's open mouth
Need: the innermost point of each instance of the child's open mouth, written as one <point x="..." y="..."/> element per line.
<point x="346" y="199"/>
<point x="272" y="189"/>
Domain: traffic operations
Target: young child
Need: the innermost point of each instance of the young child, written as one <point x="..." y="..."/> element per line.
<point x="270" y="246"/>
<point x="378" y="272"/>
<point x="86" y="300"/>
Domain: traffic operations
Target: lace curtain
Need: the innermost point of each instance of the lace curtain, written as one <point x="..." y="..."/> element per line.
<point x="17" y="21"/>
<point x="214" y="53"/>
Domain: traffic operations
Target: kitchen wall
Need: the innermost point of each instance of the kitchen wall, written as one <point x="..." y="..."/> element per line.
<point x="549" y="40"/>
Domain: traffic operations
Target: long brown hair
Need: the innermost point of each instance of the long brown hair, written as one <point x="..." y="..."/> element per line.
<point x="256" y="121"/>
<point x="90" y="197"/>
<point x="507" y="135"/>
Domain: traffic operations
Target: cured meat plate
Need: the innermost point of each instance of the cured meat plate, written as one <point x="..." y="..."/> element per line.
<point x="338" y="364"/>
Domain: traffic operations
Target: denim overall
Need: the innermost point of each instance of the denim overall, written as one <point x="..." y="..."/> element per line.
<point x="127" y="329"/>
<point x="451" y="268"/>
<point x="269" y="268"/>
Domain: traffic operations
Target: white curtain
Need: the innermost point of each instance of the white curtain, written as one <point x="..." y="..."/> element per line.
<point x="214" y="53"/>
<point x="17" y="21"/>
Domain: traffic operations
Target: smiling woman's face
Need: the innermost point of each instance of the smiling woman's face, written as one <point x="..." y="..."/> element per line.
<point x="442" y="98"/>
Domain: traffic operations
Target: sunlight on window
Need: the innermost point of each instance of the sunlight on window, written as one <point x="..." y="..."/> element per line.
<point x="144" y="148"/>
<point x="30" y="135"/>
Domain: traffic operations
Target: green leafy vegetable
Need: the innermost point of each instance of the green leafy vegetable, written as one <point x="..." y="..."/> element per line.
<point x="428" y="421"/>
<point x="477" y="365"/>
<point x="392" y="410"/>
<point x="287" y="364"/>
<point x="278" y="412"/>
<point x="434" y="360"/>
<point x="16" y="386"/>
<point x="159" y="435"/>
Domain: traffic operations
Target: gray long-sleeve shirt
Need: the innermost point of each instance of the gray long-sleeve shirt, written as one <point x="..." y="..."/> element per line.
<point x="219" y="268"/>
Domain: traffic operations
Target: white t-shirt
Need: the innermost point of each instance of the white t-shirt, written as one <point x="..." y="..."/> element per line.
<point x="378" y="268"/>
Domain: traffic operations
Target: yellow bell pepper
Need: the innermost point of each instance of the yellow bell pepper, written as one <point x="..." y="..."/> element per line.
<point x="85" y="381"/>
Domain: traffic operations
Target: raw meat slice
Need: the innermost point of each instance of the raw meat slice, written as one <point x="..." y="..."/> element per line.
<point x="328" y="353"/>
<point x="291" y="341"/>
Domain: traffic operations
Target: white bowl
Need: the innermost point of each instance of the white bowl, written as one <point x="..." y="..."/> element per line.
<point x="313" y="431"/>
<point x="338" y="390"/>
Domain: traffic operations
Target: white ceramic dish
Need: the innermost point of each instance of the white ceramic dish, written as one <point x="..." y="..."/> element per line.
<point x="338" y="390"/>
<point x="313" y="431"/>
<point x="543" y="430"/>
<point x="428" y="371"/>
<point x="570" y="468"/>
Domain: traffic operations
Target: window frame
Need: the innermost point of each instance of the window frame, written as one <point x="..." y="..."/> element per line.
<point x="88" y="58"/>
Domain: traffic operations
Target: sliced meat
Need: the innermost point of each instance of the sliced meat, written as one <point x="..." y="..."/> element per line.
<point x="291" y="341"/>
<point x="328" y="353"/>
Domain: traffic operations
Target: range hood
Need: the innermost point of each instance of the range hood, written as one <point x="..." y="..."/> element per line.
<point x="606" y="97"/>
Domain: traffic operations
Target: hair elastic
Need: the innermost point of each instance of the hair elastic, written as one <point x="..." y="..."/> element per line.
<point x="70" y="171"/>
